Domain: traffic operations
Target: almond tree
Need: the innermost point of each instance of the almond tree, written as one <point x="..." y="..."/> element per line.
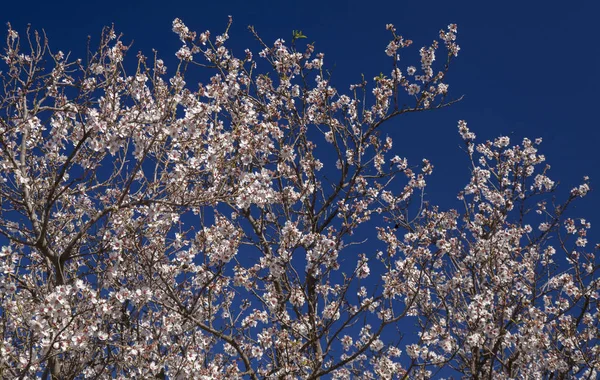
<point x="156" y="229"/>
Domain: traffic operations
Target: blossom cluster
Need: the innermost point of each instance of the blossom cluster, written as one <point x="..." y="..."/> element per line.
<point x="155" y="229"/>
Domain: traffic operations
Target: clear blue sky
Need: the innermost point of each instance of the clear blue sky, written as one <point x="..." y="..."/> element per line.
<point x="526" y="68"/>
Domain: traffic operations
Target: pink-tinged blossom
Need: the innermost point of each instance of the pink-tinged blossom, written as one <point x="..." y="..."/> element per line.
<point x="158" y="229"/>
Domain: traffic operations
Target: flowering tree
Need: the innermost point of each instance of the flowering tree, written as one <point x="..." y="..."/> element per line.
<point x="155" y="230"/>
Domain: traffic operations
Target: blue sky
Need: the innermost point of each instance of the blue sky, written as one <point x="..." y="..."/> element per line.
<point x="526" y="69"/>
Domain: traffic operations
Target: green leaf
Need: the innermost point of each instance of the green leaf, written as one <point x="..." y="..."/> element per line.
<point x="296" y="34"/>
